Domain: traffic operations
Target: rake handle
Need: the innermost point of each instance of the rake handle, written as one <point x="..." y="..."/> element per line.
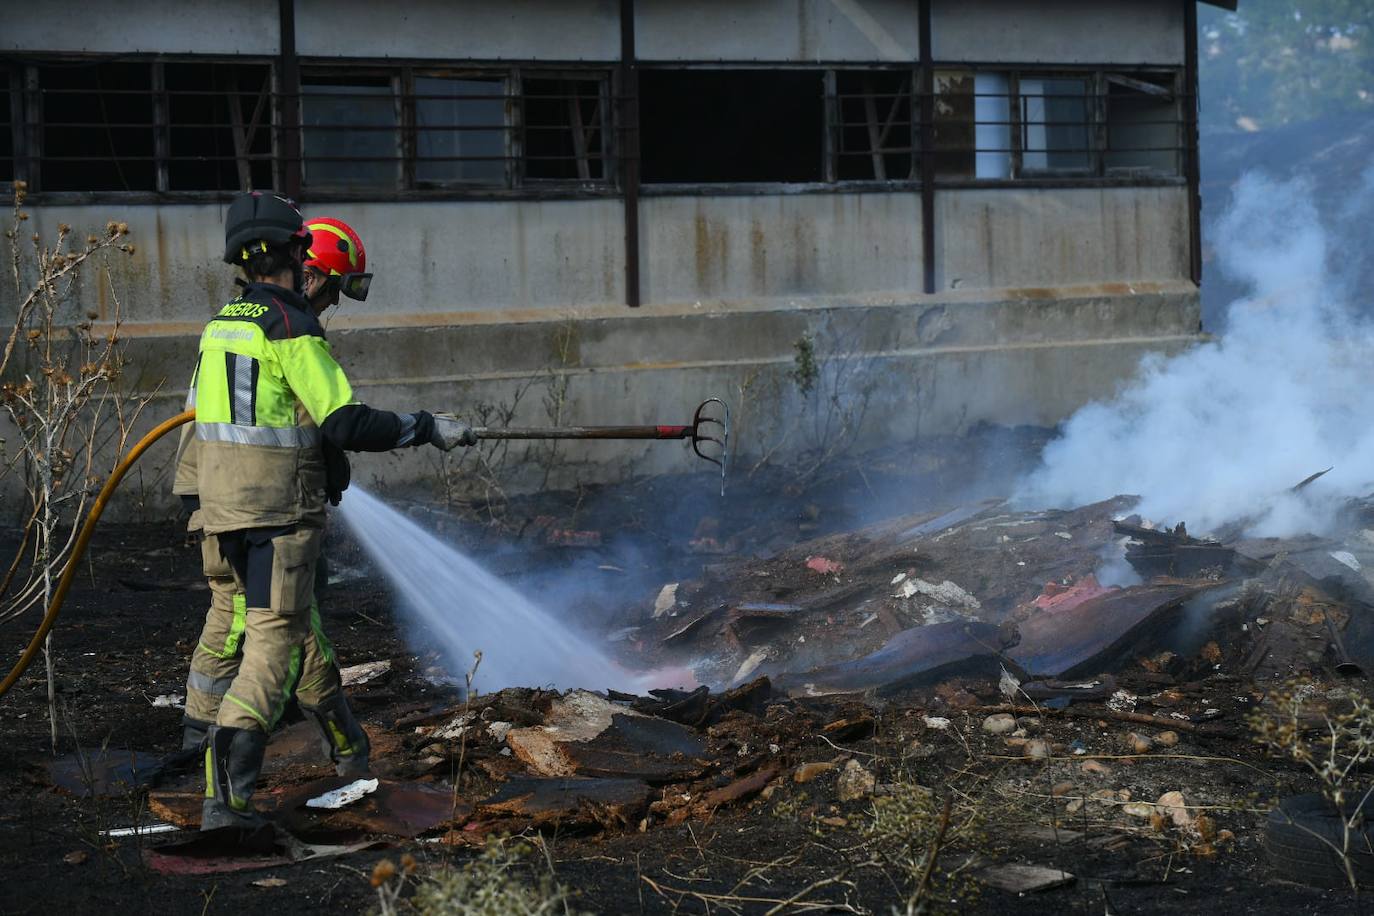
<point x="584" y="432"/>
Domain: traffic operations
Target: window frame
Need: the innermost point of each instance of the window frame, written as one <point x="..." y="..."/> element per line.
<point x="26" y="128"/>
<point x="27" y="123"/>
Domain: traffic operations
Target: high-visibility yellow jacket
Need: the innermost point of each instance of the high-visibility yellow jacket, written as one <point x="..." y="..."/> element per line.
<point x="268" y="394"/>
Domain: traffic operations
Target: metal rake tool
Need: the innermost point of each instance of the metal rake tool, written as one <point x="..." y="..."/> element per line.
<point x="701" y="431"/>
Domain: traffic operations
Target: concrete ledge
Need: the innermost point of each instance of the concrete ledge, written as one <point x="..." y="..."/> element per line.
<point x="884" y="372"/>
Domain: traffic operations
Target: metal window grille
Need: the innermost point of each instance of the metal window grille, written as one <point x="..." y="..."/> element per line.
<point x="872" y="125"/>
<point x="425" y="129"/>
<point x="1030" y="124"/>
<point x="198" y="124"/>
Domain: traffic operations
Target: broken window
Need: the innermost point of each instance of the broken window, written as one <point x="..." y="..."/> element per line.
<point x="954" y="124"/>
<point x="351" y="131"/>
<point x="1056" y="124"/>
<point x="1143" y="124"/>
<point x="565" y="121"/>
<point x="460" y="130"/>
<point x="219" y="126"/>
<point x="732" y="125"/>
<point x="97" y="127"/>
<point x="972" y="128"/>
<point x="874" y="130"/>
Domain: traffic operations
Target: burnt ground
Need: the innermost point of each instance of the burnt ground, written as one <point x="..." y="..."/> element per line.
<point x="129" y="625"/>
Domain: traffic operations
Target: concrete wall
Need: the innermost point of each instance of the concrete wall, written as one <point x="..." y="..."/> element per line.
<point x="1003" y="237"/>
<point x="466" y="256"/>
<point x="459" y="29"/>
<point x="132" y="26"/>
<point x="777" y="30"/>
<point x="1055" y="31"/>
<point x="930" y="365"/>
<point x="711" y="249"/>
<point x="1121" y="32"/>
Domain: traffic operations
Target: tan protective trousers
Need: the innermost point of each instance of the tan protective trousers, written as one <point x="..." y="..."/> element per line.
<point x="250" y="660"/>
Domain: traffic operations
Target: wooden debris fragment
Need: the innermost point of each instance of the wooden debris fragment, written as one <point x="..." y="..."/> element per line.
<point x="1023" y="879"/>
<point x="587" y="735"/>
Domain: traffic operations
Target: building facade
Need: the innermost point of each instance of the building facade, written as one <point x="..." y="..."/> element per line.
<point x="964" y="210"/>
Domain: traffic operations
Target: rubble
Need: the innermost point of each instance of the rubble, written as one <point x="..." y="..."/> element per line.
<point x="609" y="801"/>
<point x="586" y="734"/>
<point x="1042" y="678"/>
<point x="1023" y="879"/>
<point x="666" y="600"/>
<point x="344" y="795"/>
<point x="917" y="653"/>
<point x="357" y="675"/>
<point x="855" y="782"/>
<point x="806" y="772"/>
<point x="1173" y="806"/>
<point x="1000" y="723"/>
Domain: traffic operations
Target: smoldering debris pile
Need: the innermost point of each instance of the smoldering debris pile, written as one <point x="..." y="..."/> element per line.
<point x="975" y="612"/>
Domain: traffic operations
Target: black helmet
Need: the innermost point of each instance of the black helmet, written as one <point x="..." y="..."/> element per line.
<point x="260" y="216"/>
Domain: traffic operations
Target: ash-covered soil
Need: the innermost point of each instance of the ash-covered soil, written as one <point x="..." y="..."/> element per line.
<point x="848" y="792"/>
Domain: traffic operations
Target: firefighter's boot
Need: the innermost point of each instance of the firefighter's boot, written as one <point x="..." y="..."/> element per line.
<point x="341" y="737"/>
<point x="233" y="758"/>
<point x="193" y="733"/>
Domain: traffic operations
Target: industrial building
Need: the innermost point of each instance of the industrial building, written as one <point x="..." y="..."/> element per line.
<point x="965" y="210"/>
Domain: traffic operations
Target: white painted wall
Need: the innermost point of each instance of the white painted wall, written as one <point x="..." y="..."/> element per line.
<point x="133" y="26"/>
<point x="1119" y="32"/>
<point x="460" y="29"/>
<point x="777" y="30"/>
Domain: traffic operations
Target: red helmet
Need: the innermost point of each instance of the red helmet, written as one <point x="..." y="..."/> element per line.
<point x="337" y="252"/>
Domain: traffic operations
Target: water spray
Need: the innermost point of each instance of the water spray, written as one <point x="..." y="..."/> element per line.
<point x="551" y="638"/>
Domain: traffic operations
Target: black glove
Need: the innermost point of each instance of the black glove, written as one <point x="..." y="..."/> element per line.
<point x="337" y="472"/>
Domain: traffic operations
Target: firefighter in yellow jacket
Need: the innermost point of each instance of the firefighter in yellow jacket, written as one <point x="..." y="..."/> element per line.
<point x="274" y="414"/>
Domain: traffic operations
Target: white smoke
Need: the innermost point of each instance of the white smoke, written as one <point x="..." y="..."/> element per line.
<point x="1220" y="434"/>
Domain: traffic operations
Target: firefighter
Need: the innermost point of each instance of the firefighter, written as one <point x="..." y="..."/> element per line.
<point x="274" y="414"/>
<point x="336" y="262"/>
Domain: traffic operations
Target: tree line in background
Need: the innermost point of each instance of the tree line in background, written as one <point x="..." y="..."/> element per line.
<point x="1276" y="62"/>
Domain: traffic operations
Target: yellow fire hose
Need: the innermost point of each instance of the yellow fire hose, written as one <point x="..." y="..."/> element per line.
<point x="84" y="538"/>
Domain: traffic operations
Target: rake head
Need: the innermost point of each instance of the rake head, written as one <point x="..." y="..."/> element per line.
<point x="711" y="424"/>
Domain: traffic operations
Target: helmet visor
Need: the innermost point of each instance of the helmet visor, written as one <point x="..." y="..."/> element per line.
<point x="355" y="286"/>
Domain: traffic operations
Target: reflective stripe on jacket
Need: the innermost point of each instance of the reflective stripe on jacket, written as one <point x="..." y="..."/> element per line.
<point x="264" y="382"/>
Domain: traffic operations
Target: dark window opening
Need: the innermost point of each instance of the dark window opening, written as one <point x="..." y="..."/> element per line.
<point x="1143" y="129"/>
<point x="7" y="124"/>
<point x="732" y="125"/>
<point x="460" y="128"/>
<point x="1056" y="124"/>
<point x="565" y="129"/>
<point x="97" y="132"/>
<point x="351" y="132"/>
<point x="875" y="133"/>
<point x="219" y="124"/>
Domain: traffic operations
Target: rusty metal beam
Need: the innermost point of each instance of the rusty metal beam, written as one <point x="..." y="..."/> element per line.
<point x="927" y="151"/>
<point x="1192" y="170"/>
<point x="288" y="100"/>
<point x="629" y="149"/>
